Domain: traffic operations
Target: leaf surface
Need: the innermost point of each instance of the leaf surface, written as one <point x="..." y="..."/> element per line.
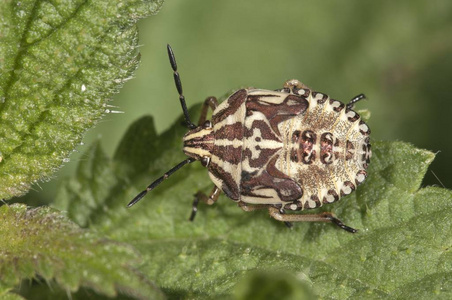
<point x="42" y="243"/>
<point x="61" y="62"/>
<point x="403" y="242"/>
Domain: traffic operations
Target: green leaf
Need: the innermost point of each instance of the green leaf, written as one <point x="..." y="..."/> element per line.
<point x="61" y="62"/>
<point x="42" y="243"/>
<point x="10" y="296"/>
<point x="402" y="248"/>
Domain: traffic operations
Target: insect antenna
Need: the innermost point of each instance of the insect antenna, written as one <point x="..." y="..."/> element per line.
<point x="159" y="180"/>
<point x="178" y="83"/>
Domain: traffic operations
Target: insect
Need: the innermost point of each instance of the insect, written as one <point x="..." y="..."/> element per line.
<point x="283" y="150"/>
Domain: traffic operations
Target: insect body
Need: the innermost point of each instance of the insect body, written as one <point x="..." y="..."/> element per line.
<point x="286" y="150"/>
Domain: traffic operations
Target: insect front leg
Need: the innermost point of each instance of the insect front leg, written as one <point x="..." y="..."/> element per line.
<point x="323" y="217"/>
<point x="211" y="102"/>
<point x="200" y="196"/>
<point x="293" y="85"/>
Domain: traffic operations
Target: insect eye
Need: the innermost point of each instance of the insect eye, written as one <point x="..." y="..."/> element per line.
<point x="205" y="161"/>
<point x="207" y="124"/>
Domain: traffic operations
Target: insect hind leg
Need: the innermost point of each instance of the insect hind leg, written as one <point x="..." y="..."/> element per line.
<point x="322" y="217"/>
<point x="247" y="207"/>
<point x="209" y="200"/>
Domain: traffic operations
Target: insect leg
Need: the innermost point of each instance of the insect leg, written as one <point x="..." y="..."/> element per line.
<point x="247" y="207"/>
<point x="211" y="102"/>
<point x="355" y="99"/>
<point x="323" y="217"/>
<point x="251" y="207"/>
<point x="200" y="196"/>
<point x="293" y="85"/>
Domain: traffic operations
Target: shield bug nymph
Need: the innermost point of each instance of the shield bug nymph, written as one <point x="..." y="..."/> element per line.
<point x="283" y="150"/>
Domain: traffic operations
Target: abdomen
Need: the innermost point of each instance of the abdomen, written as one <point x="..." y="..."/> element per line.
<point x="326" y="150"/>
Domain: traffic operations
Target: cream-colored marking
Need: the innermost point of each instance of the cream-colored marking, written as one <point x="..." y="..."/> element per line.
<point x="301" y="92"/>
<point x="329" y="198"/>
<point x="318" y="97"/>
<point x="246" y="166"/>
<point x="234" y="170"/>
<point x="197" y="151"/>
<point x="311" y="203"/>
<point x="324" y="108"/>
<point x="217" y="181"/>
<point x="335" y="104"/>
<point x="256" y="147"/>
<point x="236" y="117"/>
<point x="346" y="189"/>
<point x="338" y="119"/>
<point x="278" y="97"/>
<point x="234" y="143"/>
<point x="360" y="177"/>
<point x="351" y="114"/>
<point x="225" y="164"/>
<point x="353" y="129"/>
<point x="364" y="127"/>
<point x="198" y="134"/>
<point x="343" y="116"/>
<point x="271" y="197"/>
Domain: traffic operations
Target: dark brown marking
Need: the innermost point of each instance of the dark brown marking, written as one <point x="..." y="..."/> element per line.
<point x="332" y="193"/>
<point x="234" y="101"/>
<point x="263" y="154"/>
<point x="292" y="105"/>
<point x="202" y="142"/>
<point x="314" y="198"/>
<point x="306" y="144"/>
<point x="229" y="186"/>
<point x="228" y="153"/>
<point x="265" y="131"/>
<point x="261" y="160"/>
<point x="337" y="154"/>
<point x="322" y="100"/>
<point x="360" y="172"/>
<point x="296" y="136"/>
<point x="305" y="93"/>
<point x="349" y="184"/>
<point x="338" y="108"/>
<point x="350" y="150"/>
<point x="366" y="133"/>
<point x="271" y="178"/>
<point x="299" y="205"/>
<point x="326" y="148"/>
<point x="230" y="132"/>
<point x="294" y="156"/>
<point x="355" y="117"/>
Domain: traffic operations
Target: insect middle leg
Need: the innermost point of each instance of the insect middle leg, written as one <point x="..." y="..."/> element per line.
<point x="211" y="102"/>
<point x="323" y="217"/>
<point x="200" y="196"/>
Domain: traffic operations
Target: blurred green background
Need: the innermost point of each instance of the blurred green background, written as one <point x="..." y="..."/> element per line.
<point x="399" y="53"/>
